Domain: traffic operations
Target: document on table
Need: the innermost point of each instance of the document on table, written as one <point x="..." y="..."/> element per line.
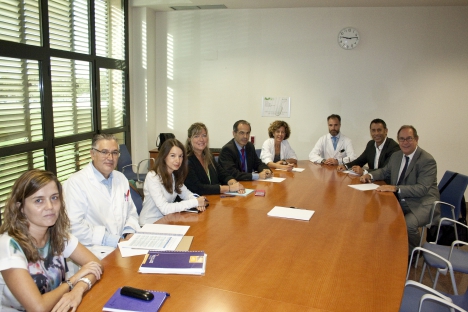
<point x="273" y="179"/>
<point x="184" y="245"/>
<point x="351" y="172"/>
<point x="294" y="169"/>
<point x="157" y="237"/>
<point x="365" y="186"/>
<point x="291" y="213"/>
<point x="247" y="192"/>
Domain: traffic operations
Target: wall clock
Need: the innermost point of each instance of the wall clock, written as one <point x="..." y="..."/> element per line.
<point x="348" y="38"/>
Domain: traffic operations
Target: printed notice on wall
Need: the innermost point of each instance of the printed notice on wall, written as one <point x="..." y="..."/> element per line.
<point x="276" y="107"/>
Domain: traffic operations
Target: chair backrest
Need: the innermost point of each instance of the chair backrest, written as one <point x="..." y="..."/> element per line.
<point x="125" y="158"/>
<point x="453" y="193"/>
<point x="136" y="197"/>
<point x="258" y="151"/>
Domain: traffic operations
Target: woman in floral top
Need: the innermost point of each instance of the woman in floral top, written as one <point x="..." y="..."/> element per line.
<point x="34" y="243"/>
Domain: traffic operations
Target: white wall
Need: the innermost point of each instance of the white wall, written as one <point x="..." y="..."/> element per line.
<point x="410" y="67"/>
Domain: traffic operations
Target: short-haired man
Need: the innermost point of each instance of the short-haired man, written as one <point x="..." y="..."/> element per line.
<point x="98" y="199"/>
<point x="377" y="152"/>
<point x="333" y="147"/>
<point x="238" y="156"/>
<point x="413" y="175"/>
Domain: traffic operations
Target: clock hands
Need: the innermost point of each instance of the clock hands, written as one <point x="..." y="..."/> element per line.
<point x="349" y="37"/>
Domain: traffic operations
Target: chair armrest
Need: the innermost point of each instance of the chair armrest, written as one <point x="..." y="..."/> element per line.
<point x="138" y="167"/>
<point x="427" y="289"/>
<point x="455" y="242"/>
<point x="449" y="304"/>
<point x="450" y="221"/>
<point x="131" y="165"/>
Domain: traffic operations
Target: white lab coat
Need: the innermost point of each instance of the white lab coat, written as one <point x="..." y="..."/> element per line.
<point x="159" y="202"/>
<point x="92" y="210"/>
<point x="268" y="151"/>
<point x="323" y="149"/>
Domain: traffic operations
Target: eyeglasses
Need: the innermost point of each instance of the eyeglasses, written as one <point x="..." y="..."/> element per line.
<point x="106" y="153"/>
<point x="408" y="139"/>
<point x="242" y="133"/>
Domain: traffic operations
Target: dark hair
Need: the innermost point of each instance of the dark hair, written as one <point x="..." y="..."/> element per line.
<point x="378" y="121"/>
<point x="334" y="116"/>
<point x="103" y="136"/>
<point x="415" y="133"/>
<point x="237" y="123"/>
<point x="160" y="166"/>
<point x="16" y="224"/>
<point x="195" y="129"/>
<point x="275" y="125"/>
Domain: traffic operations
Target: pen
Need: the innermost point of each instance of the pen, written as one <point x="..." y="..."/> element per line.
<point x="223" y="196"/>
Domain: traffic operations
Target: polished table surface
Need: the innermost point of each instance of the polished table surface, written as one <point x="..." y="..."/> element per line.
<point x="350" y="256"/>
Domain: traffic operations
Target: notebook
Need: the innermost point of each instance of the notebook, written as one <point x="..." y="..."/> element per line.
<point x="174" y="262"/>
<point x="119" y="303"/>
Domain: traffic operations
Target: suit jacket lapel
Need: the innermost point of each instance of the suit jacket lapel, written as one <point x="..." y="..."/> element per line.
<point x="382" y="152"/>
<point x="413" y="162"/>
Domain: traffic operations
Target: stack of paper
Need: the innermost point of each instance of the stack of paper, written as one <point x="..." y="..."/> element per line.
<point x="291" y="213"/>
<point x="174" y="262"/>
<point x="157" y="237"/>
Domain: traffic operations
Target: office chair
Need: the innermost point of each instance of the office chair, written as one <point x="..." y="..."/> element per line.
<point x="419" y="297"/>
<point x="457" y="257"/>
<point x="125" y="161"/>
<point x="136" y="197"/>
<point x="258" y="151"/>
<point x="452" y="187"/>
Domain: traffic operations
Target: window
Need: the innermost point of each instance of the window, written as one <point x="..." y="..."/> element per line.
<point x="59" y="85"/>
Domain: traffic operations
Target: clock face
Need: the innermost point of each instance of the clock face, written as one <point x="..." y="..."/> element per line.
<point x="348" y="38"/>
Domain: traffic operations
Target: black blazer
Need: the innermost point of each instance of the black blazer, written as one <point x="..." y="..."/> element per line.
<point x="197" y="180"/>
<point x="229" y="159"/>
<point x="368" y="156"/>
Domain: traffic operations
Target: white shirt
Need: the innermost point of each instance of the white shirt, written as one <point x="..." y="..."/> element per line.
<point x="323" y="149"/>
<point x="93" y="210"/>
<point x="268" y="151"/>
<point x="378" y="151"/>
<point x="159" y="202"/>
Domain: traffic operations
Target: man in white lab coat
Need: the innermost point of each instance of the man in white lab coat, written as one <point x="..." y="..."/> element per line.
<point x="98" y="199"/>
<point x="333" y="147"/>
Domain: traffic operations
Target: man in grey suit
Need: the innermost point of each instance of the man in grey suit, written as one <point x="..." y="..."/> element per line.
<point x="413" y="176"/>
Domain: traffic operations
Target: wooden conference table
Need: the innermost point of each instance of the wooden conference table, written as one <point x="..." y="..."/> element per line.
<point x="350" y="256"/>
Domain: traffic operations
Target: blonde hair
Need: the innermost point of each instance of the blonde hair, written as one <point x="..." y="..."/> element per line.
<point x="195" y="129"/>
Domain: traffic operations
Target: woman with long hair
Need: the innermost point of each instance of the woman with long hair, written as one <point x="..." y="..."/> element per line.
<point x="34" y="242"/>
<point x="165" y="182"/>
<point x="205" y="175"/>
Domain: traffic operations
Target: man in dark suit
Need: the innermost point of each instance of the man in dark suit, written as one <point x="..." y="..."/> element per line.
<point x="413" y="175"/>
<point x="377" y="152"/>
<point x="238" y="156"/>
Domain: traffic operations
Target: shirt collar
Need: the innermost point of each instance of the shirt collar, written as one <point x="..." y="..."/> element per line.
<point x="412" y="154"/>
<point x="381" y="145"/>
<point x="238" y="146"/>
<point x="99" y="175"/>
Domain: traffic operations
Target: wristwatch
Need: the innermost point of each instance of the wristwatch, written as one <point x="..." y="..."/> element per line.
<point x="323" y="161"/>
<point x="397" y="189"/>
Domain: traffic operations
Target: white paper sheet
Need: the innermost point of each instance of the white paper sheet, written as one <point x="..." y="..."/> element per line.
<point x="274" y="180"/>
<point x="157" y="237"/>
<point x="291" y="213"/>
<point x="247" y="192"/>
<point x="365" y="186"/>
<point x="294" y="169"/>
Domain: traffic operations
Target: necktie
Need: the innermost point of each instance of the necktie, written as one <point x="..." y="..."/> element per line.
<point x="243" y="159"/>
<point x="334" y="142"/>
<point x="402" y="175"/>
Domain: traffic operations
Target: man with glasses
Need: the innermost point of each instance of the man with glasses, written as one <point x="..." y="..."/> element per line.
<point x="98" y="199"/>
<point x="413" y="179"/>
<point x="238" y="156"/>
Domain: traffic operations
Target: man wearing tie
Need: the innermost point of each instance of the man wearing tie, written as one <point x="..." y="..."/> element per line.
<point x="413" y="176"/>
<point x="238" y="156"/>
<point x="377" y="152"/>
<point x="334" y="147"/>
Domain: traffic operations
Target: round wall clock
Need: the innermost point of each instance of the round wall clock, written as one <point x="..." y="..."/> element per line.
<point x="348" y="38"/>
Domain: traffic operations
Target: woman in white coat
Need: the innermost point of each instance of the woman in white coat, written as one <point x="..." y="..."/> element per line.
<point x="165" y="182"/>
<point x="276" y="151"/>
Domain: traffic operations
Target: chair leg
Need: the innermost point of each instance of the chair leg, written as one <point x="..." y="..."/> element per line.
<point x="420" y="244"/>
<point x="436" y="278"/>
<point x="422" y="272"/>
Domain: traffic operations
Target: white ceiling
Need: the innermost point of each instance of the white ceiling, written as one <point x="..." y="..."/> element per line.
<point x="165" y="5"/>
